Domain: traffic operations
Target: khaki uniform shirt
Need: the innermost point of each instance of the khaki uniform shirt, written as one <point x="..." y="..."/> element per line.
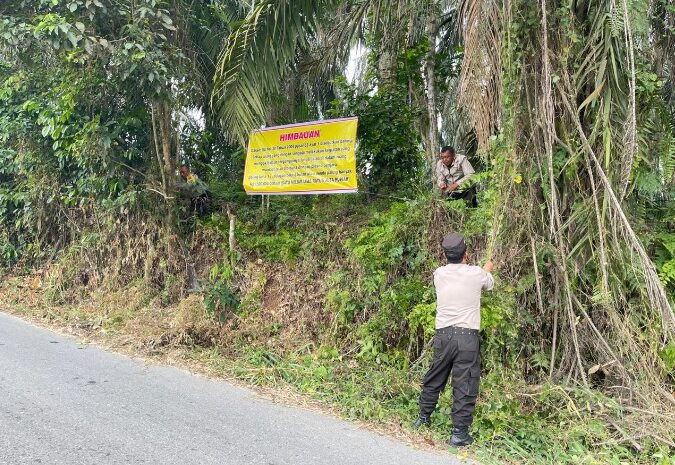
<point x="192" y="186"/>
<point x="460" y="171"/>
<point x="458" y="290"/>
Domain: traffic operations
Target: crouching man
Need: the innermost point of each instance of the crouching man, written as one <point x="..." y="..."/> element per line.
<point x="456" y="343"/>
<point x="453" y="175"/>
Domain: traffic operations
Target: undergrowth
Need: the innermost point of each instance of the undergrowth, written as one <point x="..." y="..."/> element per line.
<point x="515" y="422"/>
<point x="343" y="312"/>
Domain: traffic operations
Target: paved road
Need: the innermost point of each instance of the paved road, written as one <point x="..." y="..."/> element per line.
<point x="66" y="403"/>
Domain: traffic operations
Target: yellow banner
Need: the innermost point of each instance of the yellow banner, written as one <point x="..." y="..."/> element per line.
<point x="307" y="158"/>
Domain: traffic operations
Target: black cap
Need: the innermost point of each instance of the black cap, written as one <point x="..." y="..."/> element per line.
<point x="453" y="244"/>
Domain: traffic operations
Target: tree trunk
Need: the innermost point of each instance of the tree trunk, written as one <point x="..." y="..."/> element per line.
<point x="430" y="77"/>
<point x="163" y="111"/>
<point x="163" y="138"/>
<point x="155" y="144"/>
<point x="386" y="64"/>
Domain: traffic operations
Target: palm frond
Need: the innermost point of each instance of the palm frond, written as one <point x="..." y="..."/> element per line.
<point x="669" y="159"/>
<point x="256" y="57"/>
<point x="480" y="81"/>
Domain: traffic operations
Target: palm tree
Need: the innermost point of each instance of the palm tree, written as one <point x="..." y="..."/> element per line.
<point x="560" y="84"/>
<point x="261" y="54"/>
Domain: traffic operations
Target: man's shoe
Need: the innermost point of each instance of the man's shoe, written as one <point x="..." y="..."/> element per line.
<point x="460" y="437"/>
<point x="421" y="421"/>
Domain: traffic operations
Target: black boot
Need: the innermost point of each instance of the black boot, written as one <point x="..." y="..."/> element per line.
<point x="460" y="437"/>
<point x="422" y="420"/>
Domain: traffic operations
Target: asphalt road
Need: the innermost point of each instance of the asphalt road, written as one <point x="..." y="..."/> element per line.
<point x="66" y="403"/>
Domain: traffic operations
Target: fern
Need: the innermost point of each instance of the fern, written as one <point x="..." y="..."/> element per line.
<point x="667" y="272"/>
<point x="616" y="22"/>
<point x="669" y="157"/>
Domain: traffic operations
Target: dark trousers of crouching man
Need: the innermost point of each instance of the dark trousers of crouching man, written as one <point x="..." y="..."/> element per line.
<point x="456" y="342"/>
<point x="456" y="352"/>
<point x="469" y="195"/>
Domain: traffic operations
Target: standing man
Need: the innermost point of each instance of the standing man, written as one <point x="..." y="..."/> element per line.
<point x="456" y="343"/>
<point x="452" y="173"/>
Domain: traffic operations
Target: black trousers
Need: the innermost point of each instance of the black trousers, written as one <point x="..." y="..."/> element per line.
<point x="202" y="204"/>
<point x="468" y="194"/>
<point x="456" y="351"/>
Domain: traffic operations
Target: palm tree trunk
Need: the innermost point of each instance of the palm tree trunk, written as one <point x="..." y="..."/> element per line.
<point x="388" y="52"/>
<point x="430" y="76"/>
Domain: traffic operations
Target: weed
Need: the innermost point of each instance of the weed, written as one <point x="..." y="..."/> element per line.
<point x="282" y="246"/>
<point x="220" y="301"/>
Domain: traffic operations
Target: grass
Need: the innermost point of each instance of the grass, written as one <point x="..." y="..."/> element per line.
<point x="556" y="427"/>
<point x="515" y="423"/>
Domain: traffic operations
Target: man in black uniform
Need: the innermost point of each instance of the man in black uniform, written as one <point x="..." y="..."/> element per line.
<point x="456" y="343"/>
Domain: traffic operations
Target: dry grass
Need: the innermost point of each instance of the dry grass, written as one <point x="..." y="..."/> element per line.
<point x="184" y="336"/>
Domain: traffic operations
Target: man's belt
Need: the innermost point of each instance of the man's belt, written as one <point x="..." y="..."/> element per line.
<point x="456" y="330"/>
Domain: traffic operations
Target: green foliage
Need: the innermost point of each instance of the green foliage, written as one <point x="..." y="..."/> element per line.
<point x="341" y="303"/>
<point x="220" y="301"/>
<point x="665" y="258"/>
<point x="500" y="326"/>
<point x="389" y="156"/>
<point x="556" y="425"/>
<point x="81" y="176"/>
<point x="78" y="80"/>
<point x="385" y="329"/>
<point x="668" y="357"/>
<point x="514" y="422"/>
<point x="282" y="246"/>
<point x="8" y="253"/>
<point x="369" y="390"/>
<point x="391" y="240"/>
<point x="392" y="256"/>
<point x="423" y="316"/>
<point x="258" y="55"/>
<point x="667" y="272"/>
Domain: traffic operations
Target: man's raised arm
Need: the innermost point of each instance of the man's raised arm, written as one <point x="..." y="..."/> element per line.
<point x="489" y="281"/>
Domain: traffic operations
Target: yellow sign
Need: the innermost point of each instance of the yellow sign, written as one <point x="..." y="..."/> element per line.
<point x="307" y="158"/>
